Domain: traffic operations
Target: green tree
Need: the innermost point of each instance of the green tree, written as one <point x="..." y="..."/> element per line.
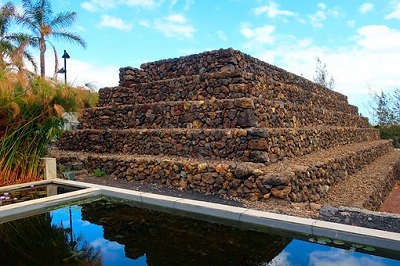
<point x="383" y="109"/>
<point x="396" y="105"/>
<point x="39" y="19"/>
<point x="386" y="109"/>
<point x="12" y="45"/>
<point x="322" y="76"/>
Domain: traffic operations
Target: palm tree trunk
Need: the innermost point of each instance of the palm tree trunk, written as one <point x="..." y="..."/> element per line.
<point x="42" y="47"/>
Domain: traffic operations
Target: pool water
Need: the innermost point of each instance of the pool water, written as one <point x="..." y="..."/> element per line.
<point x="109" y="232"/>
<point x="33" y="192"/>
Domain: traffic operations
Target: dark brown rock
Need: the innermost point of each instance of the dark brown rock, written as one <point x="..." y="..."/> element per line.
<point x="277" y="179"/>
<point x="247" y="118"/>
<point x="259" y="157"/>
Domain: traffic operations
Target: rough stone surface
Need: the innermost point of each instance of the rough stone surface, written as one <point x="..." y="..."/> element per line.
<point x="239" y="144"/>
<point x="223" y="122"/>
<point x="301" y="179"/>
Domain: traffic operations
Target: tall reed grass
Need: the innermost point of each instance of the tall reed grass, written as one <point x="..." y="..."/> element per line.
<point x="30" y="117"/>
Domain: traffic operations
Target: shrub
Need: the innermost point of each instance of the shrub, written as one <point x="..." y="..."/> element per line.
<point x="99" y="173"/>
<point x="390" y="132"/>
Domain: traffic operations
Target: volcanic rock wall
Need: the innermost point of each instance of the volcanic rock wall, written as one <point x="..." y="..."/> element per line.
<point x="224" y="122"/>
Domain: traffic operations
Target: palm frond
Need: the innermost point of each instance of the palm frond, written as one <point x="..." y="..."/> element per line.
<point x="7" y="13"/>
<point x="62" y="20"/>
<point x="71" y="37"/>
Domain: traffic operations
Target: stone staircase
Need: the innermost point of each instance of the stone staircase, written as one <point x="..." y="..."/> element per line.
<point x="226" y="123"/>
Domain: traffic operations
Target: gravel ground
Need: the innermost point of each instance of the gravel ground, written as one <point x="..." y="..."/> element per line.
<point x="354" y="190"/>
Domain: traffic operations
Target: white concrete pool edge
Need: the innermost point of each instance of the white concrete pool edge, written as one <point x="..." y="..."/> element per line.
<point x="365" y="236"/>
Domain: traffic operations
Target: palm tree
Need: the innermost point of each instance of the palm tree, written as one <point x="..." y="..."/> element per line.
<point x="12" y="45"/>
<point x="38" y="18"/>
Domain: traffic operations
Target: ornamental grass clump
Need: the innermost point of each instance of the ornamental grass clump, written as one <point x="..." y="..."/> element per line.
<point x="30" y="117"/>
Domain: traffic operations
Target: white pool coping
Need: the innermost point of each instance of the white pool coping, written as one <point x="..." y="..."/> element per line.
<point x="239" y="215"/>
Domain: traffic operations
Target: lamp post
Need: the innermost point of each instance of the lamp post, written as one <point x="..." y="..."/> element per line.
<point x="64" y="69"/>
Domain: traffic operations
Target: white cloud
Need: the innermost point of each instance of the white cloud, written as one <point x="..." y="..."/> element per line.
<point x="94" y="5"/>
<point x="337" y="257"/>
<point x="113" y="22"/>
<point x="335" y="12"/>
<point x="366" y="7"/>
<point x="178" y="18"/>
<point x="272" y="10"/>
<point x="317" y="19"/>
<point x="88" y="6"/>
<point x="174" y="26"/>
<point x="353" y="66"/>
<point x="80" y="28"/>
<point x="395" y="14"/>
<point x="106" y="245"/>
<point x="321" y="6"/>
<point x="81" y="73"/>
<point x="351" y="23"/>
<point x="142" y="3"/>
<point x="280" y="260"/>
<point x="378" y="38"/>
<point x="259" y="35"/>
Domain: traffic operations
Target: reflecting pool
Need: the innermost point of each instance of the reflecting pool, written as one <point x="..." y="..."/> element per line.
<point x="110" y="232"/>
<point x="32" y="192"/>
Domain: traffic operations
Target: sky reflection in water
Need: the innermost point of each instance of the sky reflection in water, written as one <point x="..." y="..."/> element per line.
<point x="297" y="252"/>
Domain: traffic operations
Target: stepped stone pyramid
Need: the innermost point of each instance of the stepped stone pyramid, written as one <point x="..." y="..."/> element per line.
<point x="224" y="122"/>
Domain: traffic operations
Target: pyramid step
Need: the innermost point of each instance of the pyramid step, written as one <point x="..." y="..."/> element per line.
<point x="264" y="145"/>
<point x="206" y="62"/>
<point x="221" y="86"/>
<point x="305" y="96"/>
<point x="191" y="87"/>
<point x="225" y="62"/>
<point x="231" y="113"/>
<point x="368" y="188"/>
<point x="301" y="179"/>
<point x="310" y="177"/>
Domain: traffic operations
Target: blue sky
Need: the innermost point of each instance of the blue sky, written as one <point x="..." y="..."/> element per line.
<point x="359" y="41"/>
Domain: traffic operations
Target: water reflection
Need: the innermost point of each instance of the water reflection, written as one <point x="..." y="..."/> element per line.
<point x="32" y="192"/>
<point x="166" y="239"/>
<point x="105" y="233"/>
<point x="36" y="241"/>
<point x="299" y="252"/>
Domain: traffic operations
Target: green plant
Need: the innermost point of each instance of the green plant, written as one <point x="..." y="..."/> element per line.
<point x="390" y="132"/>
<point x="99" y="173"/>
<point x="30" y="117"/>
